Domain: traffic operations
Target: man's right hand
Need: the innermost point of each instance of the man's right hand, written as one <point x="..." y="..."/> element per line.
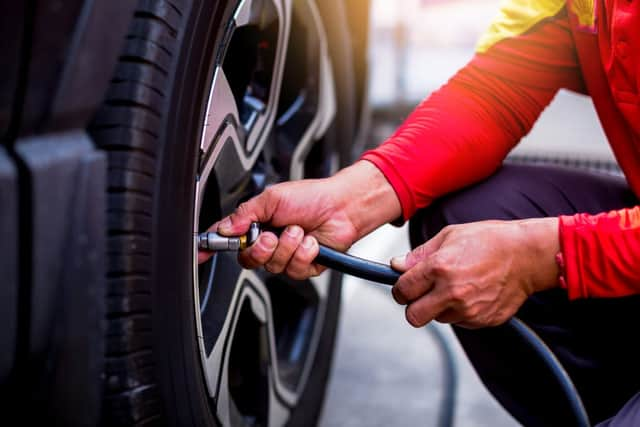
<point x="334" y="211"/>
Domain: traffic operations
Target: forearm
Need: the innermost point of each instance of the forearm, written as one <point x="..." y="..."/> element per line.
<point x="458" y="136"/>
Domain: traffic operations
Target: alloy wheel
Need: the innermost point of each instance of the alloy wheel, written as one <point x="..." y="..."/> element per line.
<point x="271" y="101"/>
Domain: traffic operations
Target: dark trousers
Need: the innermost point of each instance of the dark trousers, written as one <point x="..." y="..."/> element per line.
<point x="597" y="340"/>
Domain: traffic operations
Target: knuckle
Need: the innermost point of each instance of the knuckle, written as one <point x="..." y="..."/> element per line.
<point x="459" y="295"/>
<point x="439" y="264"/>
<point x="418" y="253"/>
<point x="447" y="295"/>
<point x="456" y="295"/>
<point x="242" y="209"/>
<point x="448" y="229"/>
<point x="270" y="194"/>
<point x="471" y="312"/>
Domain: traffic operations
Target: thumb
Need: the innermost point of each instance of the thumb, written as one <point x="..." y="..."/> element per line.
<point x="406" y="262"/>
<point x="399" y="263"/>
<point x="257" y="209"/>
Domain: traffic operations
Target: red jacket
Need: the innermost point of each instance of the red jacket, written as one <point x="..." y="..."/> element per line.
<point x="463" y="131"/>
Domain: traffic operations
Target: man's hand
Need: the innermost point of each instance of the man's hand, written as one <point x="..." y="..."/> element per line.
<point x="335" y="211"/>
<point x="479" y="274"/>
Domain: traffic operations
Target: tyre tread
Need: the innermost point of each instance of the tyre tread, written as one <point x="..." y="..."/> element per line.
<point x="126" y="127"/>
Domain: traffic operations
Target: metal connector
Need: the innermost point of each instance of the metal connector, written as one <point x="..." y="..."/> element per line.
<point x="214" y="242"/>
<point x="252" y="234"/>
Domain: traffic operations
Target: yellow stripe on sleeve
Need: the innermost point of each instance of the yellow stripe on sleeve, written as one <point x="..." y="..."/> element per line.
<point x="517" y="17"/>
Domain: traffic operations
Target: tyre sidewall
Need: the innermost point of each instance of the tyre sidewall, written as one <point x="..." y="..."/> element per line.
<point x="178" y="361"/>
<point x="179" y="368"/>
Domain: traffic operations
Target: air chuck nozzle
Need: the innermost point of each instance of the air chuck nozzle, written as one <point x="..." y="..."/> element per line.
<point x="216" y="243"/>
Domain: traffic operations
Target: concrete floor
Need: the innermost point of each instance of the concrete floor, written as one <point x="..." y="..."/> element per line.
<point x="385" y="372"/>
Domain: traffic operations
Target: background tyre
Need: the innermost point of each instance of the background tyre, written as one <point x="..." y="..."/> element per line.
<point x="212" y="102"/>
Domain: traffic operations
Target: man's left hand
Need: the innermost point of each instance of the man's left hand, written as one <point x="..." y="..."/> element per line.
<point x="477" y="275"/>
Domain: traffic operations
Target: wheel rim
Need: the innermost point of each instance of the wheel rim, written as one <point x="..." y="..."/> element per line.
<point x="271" y="99"/>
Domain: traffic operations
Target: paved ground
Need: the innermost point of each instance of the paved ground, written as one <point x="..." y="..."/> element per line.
<point x="387" y="373"/>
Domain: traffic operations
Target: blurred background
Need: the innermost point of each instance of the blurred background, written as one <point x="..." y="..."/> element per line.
<point x="385" y="372"/>
<point x="416" y="45"/>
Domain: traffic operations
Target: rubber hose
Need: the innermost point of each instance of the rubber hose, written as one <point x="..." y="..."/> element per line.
<point x="383" y="273"/>
<point x="450" y="377"/>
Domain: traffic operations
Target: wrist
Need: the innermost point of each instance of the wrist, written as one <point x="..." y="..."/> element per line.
<point x="368" y="199"/>
<point x="543" y="245"/>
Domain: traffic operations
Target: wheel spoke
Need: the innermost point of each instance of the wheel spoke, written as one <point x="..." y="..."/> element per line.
<point x="221" y="109"/>
<point x="308" y="103"/>
<point x="248" y="380"/>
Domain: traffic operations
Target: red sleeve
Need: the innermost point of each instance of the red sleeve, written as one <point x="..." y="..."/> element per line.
<point x="601" y="254"/>
<point x="463" y="131"/>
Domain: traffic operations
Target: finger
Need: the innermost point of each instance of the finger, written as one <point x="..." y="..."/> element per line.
<point x="256" y="209"/>
<point x="214" y="227"/>
<point x="301" y="265"/>
<point x="427" y="308"/>
<point x="289" y="241"/>
<point x="260" y="252"/>
<point x="204" y="256"/>
<point x="422" y="252"/>
<point x="414" y="283"/>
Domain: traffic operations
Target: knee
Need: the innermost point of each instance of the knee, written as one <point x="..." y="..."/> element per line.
<point x="502" y="196"/>
<point x="476" y="203"/>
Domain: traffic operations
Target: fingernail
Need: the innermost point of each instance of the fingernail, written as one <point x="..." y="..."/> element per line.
<point x="293" y="231"/>
<point x="307" y="242"/>
<point x="225" y="225"/>
<point x="268" y="242"/>
<point x="398" y="260"/>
